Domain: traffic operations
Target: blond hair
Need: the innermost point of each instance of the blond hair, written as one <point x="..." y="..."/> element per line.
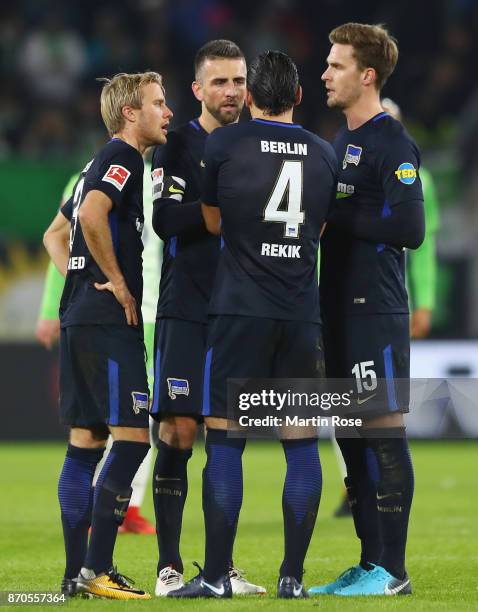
<point x="123" y="90"/>
<point x="373" y="47"/>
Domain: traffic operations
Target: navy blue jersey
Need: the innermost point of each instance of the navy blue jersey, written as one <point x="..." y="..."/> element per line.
<point x="378" y="171"/>
<point x="274" y="183"/>
<point x="117" y="171"/>
<point x="189" y="260"/>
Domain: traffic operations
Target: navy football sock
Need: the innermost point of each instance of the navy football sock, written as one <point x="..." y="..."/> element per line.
<point x="112" y="495"/>
<point x="300" y="502"/>
<point x="170" y="488"/>
<point x="222" y="500"/>
<point x="394" y="499"/>
<point x="361" y="493"/>
<point x="75" y="494"/>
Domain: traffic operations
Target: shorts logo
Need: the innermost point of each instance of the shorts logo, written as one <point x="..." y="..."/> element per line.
<point x="352" y="155"/>
<point x="177" y="386"/>
<point x="406" y="173"/>
<point x="140" y="401"/>
<point x="117" y="176"/>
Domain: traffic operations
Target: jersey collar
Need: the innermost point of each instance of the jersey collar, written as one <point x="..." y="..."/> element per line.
<point x="277" y="123"/>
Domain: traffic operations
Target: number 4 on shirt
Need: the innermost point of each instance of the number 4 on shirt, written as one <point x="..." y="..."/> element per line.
<point x="288" y="190"/>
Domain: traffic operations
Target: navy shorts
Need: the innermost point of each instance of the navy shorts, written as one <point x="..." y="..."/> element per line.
<point x="371" y="346"/>
<point x="253" y="347"/>
<point x="178" y="368"/>
<point x="103" y="376"/>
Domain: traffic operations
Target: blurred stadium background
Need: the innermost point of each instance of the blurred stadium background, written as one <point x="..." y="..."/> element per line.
<point x="51" y="54"/>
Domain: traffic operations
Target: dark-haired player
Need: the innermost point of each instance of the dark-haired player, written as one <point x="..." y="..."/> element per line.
<point x="189" y="266"/>
<point x="378" y="212"/>
<point x="270" y="183"/>
<point x="103" y="382"/>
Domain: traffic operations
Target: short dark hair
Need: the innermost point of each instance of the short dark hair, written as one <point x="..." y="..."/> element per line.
<point x="373" y="47"/>
<point x="273" y="81"/>
<point x="217" y="49"/>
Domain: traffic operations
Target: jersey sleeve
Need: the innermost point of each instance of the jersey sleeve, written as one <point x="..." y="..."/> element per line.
<point x="170" y="170"/>
<point x="169" y="176"/>
<point x="67" y="209"/>
<point x="213" y="156"/>
<point x="398" y="165"/>
<point x="119" y="173"/>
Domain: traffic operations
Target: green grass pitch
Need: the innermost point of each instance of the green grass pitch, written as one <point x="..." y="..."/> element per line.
<point x="442" y="551"/>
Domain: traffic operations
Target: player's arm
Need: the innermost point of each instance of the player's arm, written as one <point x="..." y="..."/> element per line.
<point x="405" y="227"/>
<point x="213" y="155"/>
<point x="422" y="264"/>
<point x="169" y="219"/>
<point x="48" y="325"/>
<point x="93" y="218"/>
<point x="171" y="215"/>
<point x="212" y="218"/>
<point x="56" y="240"/>
<point x="401" y="223"/>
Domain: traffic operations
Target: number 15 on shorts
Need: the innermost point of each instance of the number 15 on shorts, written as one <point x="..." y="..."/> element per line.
<point x="365" y="376"/>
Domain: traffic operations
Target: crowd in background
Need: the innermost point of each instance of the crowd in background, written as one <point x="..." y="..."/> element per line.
<point x="52" y="52"/>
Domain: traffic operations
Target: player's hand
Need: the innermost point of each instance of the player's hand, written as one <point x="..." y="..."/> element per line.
<point x="124" y="297"/>
<point x="48" y="332"/>
<point x="421" y="323"/>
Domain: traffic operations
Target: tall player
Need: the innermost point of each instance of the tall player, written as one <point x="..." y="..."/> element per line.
<point x="379" y="212"/>
<point x="103" y="383"/>
<point x="190" y="260"/>
<point x="270" y="183"/>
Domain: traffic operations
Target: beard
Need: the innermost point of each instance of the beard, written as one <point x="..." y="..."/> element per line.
<point x="224" y="117"/>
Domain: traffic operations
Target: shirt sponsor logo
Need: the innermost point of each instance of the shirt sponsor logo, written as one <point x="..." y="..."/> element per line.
<point x="406" y="173"/>
<point x="177" y="386"/>
<point x="344" y="191"/>
<point x="352" y="155"/>
<point x="289" y="148"/>
<point x="281" y="250"/>
<point x="140" y="401"/>
<point x="117" y="176"/>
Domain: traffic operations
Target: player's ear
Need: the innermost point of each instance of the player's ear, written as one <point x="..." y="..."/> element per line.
<point x="298" y="96"/>
<point x="197" y="90"/>
<point x="369" y="77"/>
<point x="129" y="113"/>
<point x="248" y="99"/>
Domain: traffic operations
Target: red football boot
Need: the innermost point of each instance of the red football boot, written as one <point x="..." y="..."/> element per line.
<point x="135" y="523"/>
